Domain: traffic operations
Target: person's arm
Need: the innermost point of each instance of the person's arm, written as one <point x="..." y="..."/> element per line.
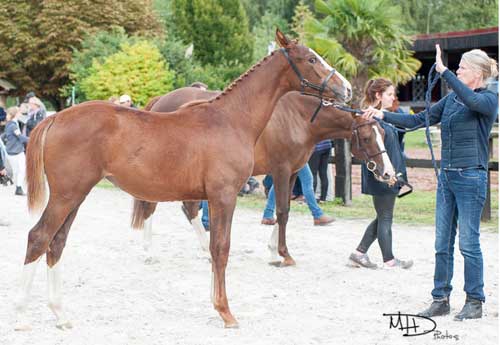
<point x="411" y="121"/>
<point x="484" y="103"/>
<point x="24" y="139"/>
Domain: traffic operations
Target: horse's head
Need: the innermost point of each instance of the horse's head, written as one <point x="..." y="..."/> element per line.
<point x="368" y="144"/>
<point x="312" y="75"/>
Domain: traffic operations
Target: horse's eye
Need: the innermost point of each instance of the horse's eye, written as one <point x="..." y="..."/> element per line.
<point x="312" y="60"/>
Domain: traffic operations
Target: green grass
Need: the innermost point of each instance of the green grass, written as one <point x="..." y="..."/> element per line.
<point x="415" y="140"/>
<point x="416" y="209"/>
<point x="106" y="184"/>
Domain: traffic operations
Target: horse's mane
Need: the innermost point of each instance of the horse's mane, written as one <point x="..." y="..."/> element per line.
<point x="242" y="76"/>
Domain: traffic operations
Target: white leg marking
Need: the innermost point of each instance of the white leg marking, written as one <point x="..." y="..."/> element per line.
<point x="54" y="279"/>
<point x="199" y="229"/>
<point x="212" y="287"/>
<point x="148" y="233"/>
<point x="152" y="257"/>
<point x="273" y="244"/>
<point x="29" y="271"/>
<point x="388" y="168"/>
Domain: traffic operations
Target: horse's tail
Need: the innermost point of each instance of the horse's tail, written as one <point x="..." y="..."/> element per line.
<point x="142" y="210"/>
<point x="35" y="168"/>
<point x="152" y="102"/>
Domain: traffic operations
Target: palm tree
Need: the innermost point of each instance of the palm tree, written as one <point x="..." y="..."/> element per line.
<point x="363" y="39"/>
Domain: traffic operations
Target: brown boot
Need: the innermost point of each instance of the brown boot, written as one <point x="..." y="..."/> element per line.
<point x="324" y="220"/>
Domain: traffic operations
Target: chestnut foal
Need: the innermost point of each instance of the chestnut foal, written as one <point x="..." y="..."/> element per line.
<point x="79" y="146"/>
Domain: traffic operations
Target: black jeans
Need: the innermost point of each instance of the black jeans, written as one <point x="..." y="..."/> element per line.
<point x="381" y="227"/>
<point x="319" y="163"/>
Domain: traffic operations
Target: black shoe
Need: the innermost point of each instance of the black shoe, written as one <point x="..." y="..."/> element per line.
<point x="19" y="191"/>
<point x="473" y="309"/>
<point x="438" y="308"/>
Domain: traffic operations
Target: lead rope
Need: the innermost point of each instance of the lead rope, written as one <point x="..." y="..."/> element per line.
<point x="431" y="82"/>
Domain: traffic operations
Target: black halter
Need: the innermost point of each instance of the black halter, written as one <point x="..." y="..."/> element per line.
<point x="304" y="83"/>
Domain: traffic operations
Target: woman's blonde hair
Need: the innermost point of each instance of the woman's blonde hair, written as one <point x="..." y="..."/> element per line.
<point x="374" y="86"/>
<point x="480" y="61"/>
<point x="11" y="113"/>
<point x="36" y="101"/>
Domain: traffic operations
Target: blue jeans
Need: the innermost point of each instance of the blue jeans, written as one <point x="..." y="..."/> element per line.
<point x="460" y="199"/>
<point x="306" y="180"/>
<point x="204" y="216"/>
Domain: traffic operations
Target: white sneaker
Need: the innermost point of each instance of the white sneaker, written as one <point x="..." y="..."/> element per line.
<point x="403" y="264"/>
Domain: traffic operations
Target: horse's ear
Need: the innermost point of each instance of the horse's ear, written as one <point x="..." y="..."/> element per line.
<point x="282" y="40"/>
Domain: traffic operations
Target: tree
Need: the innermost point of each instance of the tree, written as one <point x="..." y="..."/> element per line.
<point x="302" y="14"/>
<point x="137" y="70"/>
<point x="94" y="48"/>
<point x="447" y="15"/>
<point x="265" y="33"/>
<point x="362" y="39"/>
<point x="37" y="38"/>
<point x="218" y="30"/>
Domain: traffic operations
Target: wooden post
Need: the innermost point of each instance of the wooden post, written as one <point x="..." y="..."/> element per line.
<point x="343" y="170"/>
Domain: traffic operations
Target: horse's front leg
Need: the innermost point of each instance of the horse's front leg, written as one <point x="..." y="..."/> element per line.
<point x="283" y="191"/>
<point x="221" y="215"/>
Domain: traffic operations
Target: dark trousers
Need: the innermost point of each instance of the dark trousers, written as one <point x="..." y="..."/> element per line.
<point x="381" y="227"/>
<point x="319" y="164"/>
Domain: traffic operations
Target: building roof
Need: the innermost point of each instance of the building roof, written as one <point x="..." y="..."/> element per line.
<point x="457" y="40"/>
<point x="6" y="86"/>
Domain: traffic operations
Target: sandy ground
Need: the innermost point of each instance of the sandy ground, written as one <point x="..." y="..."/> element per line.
<point x="113" y="297"/>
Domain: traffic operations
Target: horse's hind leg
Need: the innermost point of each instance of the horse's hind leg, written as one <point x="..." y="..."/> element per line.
<point x="283" y="185"/>
<point x="54" y="271"/>
<point x="221" y="215"/>
<point x="39" y="238"/>
<point x="191" y="210"/>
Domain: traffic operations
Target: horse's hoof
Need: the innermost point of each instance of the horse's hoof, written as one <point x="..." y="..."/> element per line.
<point x="150" y="260"/>
<point x="22" y="327"/>
<point x="64" y="325"/>
<point x="288" y="262"/>
<point x="232" y="324"/>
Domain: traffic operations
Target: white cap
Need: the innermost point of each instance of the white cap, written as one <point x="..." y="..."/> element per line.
<point x="125" y="98"/>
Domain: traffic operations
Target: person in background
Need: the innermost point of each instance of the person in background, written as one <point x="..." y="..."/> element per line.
<point x="15" y="149"/>
<point x="379" y="94"/>
<point x="467" y="116"/>
<point x="36" y="115"/>
<point x="3" y="172"/>
<point x="126" y="101"/>
<point x="306" y="180"/>
<point x="319" y="164"/>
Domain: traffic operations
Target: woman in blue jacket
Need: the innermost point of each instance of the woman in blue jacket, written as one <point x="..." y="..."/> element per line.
<point x="466" y="115"/>
<point x="15" y="148"/>
<point x="379" y="93"/>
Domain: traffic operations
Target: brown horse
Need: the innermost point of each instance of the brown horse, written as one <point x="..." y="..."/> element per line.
<point x="283" y="148"/>
<point x="202" y="152"/>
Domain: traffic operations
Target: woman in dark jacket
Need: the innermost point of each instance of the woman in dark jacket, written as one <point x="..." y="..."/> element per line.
<point x="466" y="115"/>
<point x="379" y="93"/>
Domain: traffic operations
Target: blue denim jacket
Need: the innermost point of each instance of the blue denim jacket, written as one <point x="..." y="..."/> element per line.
<point x="466" y="117"/>
<point x="371" y="186"/>
<point x="15" y="142"/>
